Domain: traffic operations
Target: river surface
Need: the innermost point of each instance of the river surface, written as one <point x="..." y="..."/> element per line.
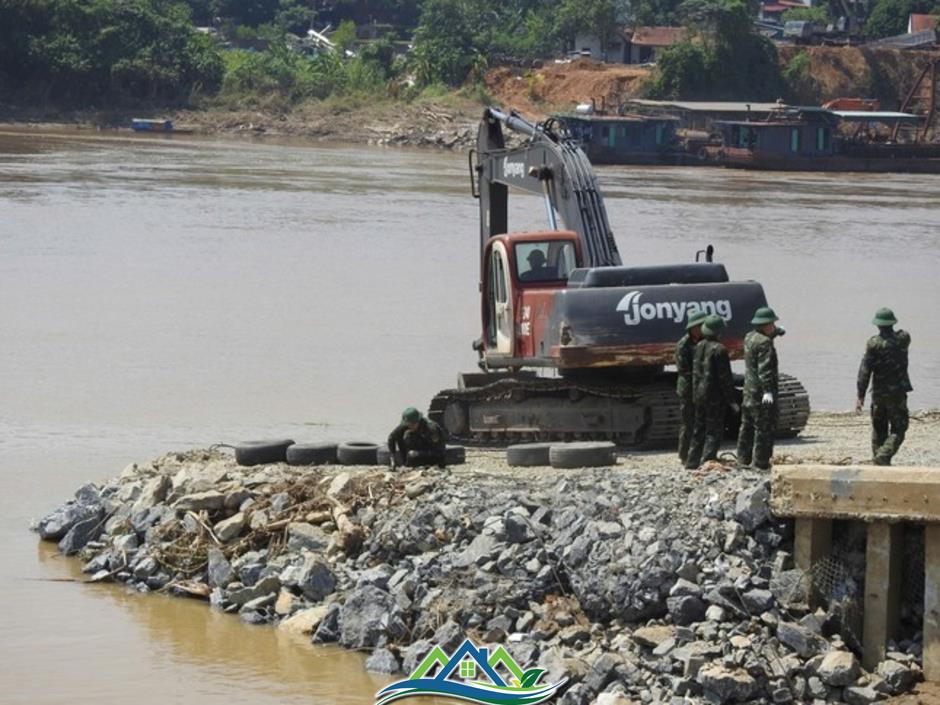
<point x="159" y="294"/>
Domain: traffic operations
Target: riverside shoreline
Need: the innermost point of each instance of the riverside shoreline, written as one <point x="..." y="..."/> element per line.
<point x="448" y="124"/>
<point x="690" y="596"/>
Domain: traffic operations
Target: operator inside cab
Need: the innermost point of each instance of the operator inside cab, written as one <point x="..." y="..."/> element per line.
<point x="544" y="261"/>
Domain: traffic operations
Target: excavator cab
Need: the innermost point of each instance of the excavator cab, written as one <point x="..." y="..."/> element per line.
<point x="520" y="272"/>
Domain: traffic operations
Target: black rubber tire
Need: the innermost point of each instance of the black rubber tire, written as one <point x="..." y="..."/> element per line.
<point x="590" y="454"/>
<point x="455" y="455"/>
<point x="251" y="453"/>
<point x="383" y="456"/>
<point x="528" y="454"/>
<point x="357" y="453"/>
<point x="311" y="454"/>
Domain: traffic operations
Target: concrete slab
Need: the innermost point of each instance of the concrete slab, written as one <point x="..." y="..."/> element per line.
<point x="871" y="493"/>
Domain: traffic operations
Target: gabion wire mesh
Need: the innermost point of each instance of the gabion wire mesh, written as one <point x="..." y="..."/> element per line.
<point x="839" y="578"/>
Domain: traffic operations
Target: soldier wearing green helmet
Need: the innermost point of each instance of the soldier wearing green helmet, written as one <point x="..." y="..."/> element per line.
<point x="712" y="393"/>
<point x="685" y="353"/>
<point x="417" y="441"/>
<point x="884" y="364"/>
<point x="761" y="381"/>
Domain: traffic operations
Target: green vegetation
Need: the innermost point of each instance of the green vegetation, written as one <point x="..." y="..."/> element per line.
<point x="803" y="86"/>
<point x="90" y="50"/>
<point x="722" y="56"/>
<point x="889" y="17"/>
<point x="818" y="15"/>
<point x="81" y="53"/>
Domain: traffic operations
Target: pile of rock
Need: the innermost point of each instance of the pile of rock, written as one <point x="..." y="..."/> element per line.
<point x="645" y="585"/>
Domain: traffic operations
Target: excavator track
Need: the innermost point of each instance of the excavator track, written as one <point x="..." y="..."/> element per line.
<point x="528" y="409"/>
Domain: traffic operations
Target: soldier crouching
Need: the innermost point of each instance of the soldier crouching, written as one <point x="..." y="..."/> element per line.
<point x="417" y="441"/>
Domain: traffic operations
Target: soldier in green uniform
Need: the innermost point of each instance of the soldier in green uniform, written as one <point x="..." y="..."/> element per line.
<point x="712" y="392"/>
<point x="885" y="365"/>
<point x="685" y="353"/>
<point x="761" y="380"/>
<point x="417" y="441"/>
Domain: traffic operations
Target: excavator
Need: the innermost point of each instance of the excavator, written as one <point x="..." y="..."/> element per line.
<point x="574" y="344"/>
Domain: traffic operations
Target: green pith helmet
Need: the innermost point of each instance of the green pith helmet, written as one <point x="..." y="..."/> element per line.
<point x="410" y="415"/>
<point x="695" y="319"/>
<point x="713" y="325"/>
<point x="884" y="318"/>
<point x="763" y="316"/>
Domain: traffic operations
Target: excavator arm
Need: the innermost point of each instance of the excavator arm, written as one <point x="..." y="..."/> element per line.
<point x="548" y="164"/>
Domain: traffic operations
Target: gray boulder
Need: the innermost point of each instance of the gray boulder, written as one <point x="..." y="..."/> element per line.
<point x="686" y="609"/>
<point x="368" y="615"/>
<point x="800" y="639"/>
<point x="57" y="524"/>
<point x="758" y="601"/>
<point x="752" y="507"/>
<point x="838" y="669"/>
<point x="81" y="533"/>
<point x="313" y="578"/>
<point x="382" y="661"/>
<point x="789" y="586"/>
<point x="209" y="500"/>
<point x="898" y="677"/>
<point x="219" y="570"/>
<point x="730" y="685"/>
<point x="302" y="535"/>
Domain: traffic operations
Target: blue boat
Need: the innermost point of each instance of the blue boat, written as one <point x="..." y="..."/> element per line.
<point x="146" y="125"/>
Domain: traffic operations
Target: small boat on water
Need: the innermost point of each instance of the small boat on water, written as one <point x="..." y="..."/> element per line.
<point x="148" y="125"/>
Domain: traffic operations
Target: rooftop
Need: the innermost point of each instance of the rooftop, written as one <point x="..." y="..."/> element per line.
<point x="710" y="106"/>
<point x="656" y="36"/>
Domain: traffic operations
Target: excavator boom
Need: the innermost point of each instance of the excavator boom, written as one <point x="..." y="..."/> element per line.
<point x="549" y="164"/>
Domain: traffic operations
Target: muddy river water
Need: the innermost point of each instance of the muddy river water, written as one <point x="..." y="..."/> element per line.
<point x="158" y="294"/>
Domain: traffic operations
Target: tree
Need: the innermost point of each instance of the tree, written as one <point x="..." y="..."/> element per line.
<point x="683" y="72"/>
<point x="595" y="17"/>
<point x="73" y="51"/>
<point x="449" y="41"/>
<point x="722" y="57"/>
<point x="818" y="15"/>
<point x="889" y="17"/>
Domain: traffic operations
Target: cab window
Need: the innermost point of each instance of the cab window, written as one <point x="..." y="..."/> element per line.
<point x="549" y="261"/>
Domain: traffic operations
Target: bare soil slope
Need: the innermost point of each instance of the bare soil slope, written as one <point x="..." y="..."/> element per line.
<point x="536" y="92"/>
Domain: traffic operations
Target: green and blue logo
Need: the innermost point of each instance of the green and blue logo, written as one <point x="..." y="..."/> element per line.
<point x="480" y="678"/>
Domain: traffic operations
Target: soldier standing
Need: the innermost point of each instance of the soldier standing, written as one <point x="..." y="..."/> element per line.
<point x="761" y="380"/>
<point x="713" y="393"/>
<point x="685" y="354"/>
<point x="417" y="441"/>
<point x="885" y="364"/>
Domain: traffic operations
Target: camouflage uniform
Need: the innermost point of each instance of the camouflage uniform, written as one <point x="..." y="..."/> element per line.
<point x="713" y="392"/>
<point x="685" y="359"/>
<point x="758" y="420"/>
<point x="885" y="365"/>
<point x="424" y="446"/>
